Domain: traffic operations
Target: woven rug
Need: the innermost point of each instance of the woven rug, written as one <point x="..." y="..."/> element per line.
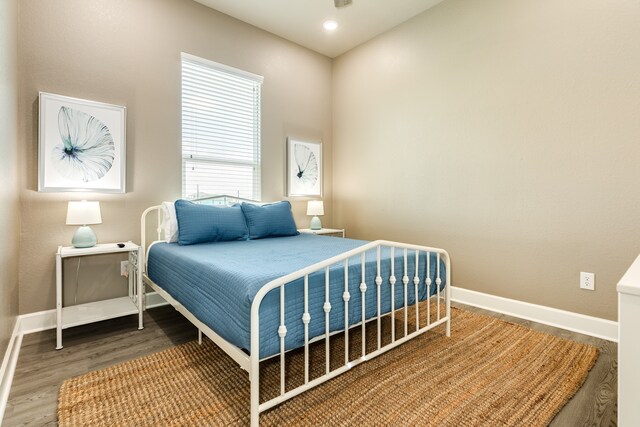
<point x="489" y="373"/>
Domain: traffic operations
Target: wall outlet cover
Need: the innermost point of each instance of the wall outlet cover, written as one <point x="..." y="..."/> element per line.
<point x="587" y="281"/>
<point x="124" y="268"/>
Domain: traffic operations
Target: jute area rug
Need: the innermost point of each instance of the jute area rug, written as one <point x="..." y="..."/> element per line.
<point x="489" y="373"/>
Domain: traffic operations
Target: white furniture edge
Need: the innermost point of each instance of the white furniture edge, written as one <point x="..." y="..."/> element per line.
<point x="629" y="346"/>
<point x="98" y="249"/>
<point x="575" y="322"/>
<point x="9" y="366"/>
<point x="630" y="282"/>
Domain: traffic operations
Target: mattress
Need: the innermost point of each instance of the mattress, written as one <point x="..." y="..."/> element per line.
<point x="217" y="282"/>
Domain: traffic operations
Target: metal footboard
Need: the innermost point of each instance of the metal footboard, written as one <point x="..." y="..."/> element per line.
<point x="402" y="272"/>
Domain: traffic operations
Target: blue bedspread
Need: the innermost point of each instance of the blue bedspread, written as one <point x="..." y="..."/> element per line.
<point x="217" y="282"/>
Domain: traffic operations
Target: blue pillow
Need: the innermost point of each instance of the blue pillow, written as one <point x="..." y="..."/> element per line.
<point x="272" y="220"/>
<point x="205" y="223"/>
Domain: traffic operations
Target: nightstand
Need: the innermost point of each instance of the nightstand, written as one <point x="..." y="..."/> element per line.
<point x="336" y="232"/>
<point x="81" y="314"/>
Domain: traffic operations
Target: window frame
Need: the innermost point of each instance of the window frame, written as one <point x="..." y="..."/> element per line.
<point x="256" y="163"/>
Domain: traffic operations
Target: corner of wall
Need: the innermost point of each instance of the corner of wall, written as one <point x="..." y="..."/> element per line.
<point x="9" y="193"/>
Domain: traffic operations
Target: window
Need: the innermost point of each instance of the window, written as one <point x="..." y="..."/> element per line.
<point x="220" y="130"/>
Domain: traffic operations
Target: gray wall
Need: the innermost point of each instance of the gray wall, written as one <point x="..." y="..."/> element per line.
<point x="128" y="53"/>
<point x="506" y="132"/>
<point x="9" y="204"/>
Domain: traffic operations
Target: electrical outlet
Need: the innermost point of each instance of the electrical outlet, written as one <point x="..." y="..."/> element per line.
<point x="587" y="281"/>
<point x="124" y="268"/>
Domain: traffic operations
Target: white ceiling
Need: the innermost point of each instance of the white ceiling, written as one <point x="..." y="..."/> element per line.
<point x="300" y="21"/>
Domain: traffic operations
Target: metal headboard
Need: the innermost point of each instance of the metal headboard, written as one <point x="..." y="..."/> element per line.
<point x="224" y="198"/>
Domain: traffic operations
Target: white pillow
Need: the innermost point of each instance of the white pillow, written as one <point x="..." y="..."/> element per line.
<point x="169" y="222"/>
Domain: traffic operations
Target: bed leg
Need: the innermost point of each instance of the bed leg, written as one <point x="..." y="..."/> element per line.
<point x="255" y="397"/>
<point x="254" y="361"/>
<point x="448" y="314"/>
<point x="447" y="295"/>
<point x="199" y="337"/>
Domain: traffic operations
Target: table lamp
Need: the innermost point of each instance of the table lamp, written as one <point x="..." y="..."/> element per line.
<point x="315" y="208"/>
<point x="84" y="213"/>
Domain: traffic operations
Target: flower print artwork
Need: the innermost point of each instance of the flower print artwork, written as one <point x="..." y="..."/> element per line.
<point x="307" y="165"/>
<point x="81" y="145"/>
<point x="304" y="168"/>
<point x="87" y="150"/>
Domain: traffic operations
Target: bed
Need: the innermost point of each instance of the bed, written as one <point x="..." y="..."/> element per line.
<point x="259" y="299"/>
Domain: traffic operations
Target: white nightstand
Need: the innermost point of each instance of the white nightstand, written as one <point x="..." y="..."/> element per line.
<point x="81" y="314"/>
<point x="337" y="232"/>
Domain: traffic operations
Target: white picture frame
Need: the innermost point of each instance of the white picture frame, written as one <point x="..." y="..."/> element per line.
<point x="304" y="168"/>
<point x="81" y="145"/>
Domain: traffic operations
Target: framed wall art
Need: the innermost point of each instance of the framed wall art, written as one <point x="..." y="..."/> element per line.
<point x="304" y="168"/>
<point x="81" y="145"/>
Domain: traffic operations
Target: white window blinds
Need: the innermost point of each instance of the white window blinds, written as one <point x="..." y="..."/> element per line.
<point x="220" y="130"/>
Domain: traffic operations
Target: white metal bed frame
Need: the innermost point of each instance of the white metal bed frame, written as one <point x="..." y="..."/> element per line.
<point x="251" y="362"/>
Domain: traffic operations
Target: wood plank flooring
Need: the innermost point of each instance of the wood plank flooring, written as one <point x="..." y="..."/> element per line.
<point x="41" y="369"/>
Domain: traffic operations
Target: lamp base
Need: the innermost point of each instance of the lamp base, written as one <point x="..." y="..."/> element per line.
<point x="84" y="237"/>
<point x="315" y="223"/>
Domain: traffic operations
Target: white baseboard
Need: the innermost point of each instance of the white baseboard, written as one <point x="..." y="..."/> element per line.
<point x="9" y="366"/>
<point x="588" y="325"/>
<point x="38" y="321"/>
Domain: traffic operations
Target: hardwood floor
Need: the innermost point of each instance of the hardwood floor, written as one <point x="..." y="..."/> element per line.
<point x="41" y="369"/>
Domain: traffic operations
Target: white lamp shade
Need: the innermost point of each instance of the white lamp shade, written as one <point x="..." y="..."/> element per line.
<point x="83" y="213"/>
<point x="315" y="207"/>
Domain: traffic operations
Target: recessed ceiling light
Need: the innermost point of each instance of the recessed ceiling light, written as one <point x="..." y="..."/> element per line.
<point x="330" y="25"/>
<point x="342" y="3"/>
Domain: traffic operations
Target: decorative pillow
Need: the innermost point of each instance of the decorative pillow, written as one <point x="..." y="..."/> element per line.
<point x="169" y="222"/>
<point x="271" y="220"/>
<point x="205" y="223"/>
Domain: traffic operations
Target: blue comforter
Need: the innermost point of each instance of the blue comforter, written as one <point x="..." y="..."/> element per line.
<point x="217" y="282"/>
